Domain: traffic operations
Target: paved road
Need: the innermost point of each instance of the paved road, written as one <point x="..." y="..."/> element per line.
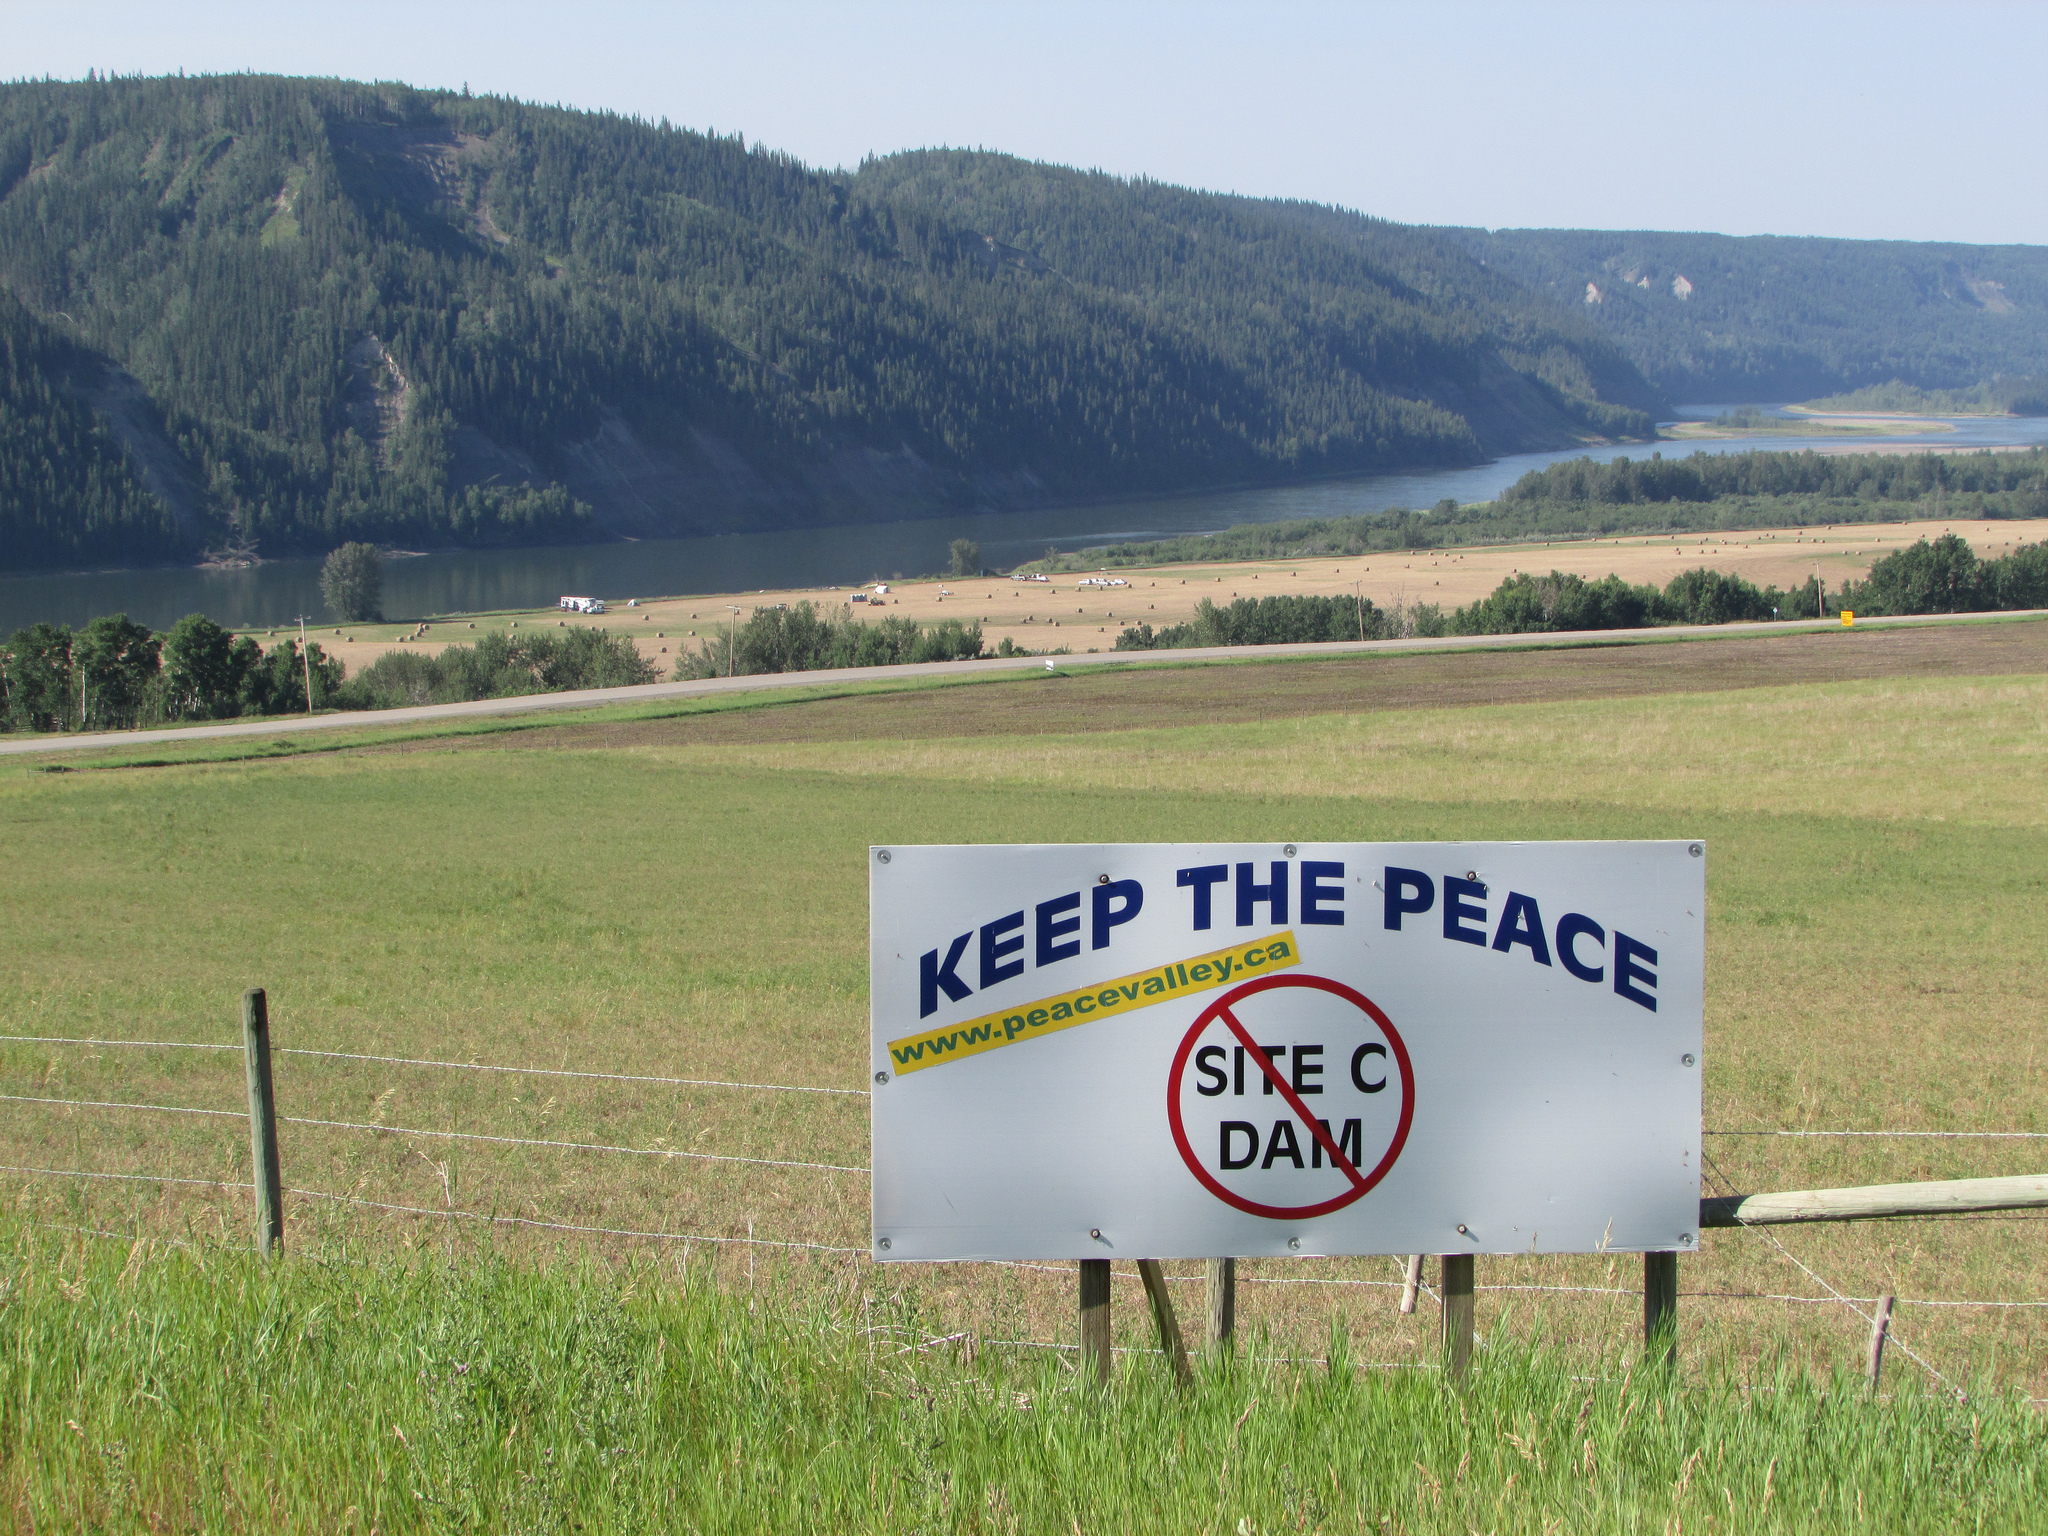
<point x="653" y="692"/>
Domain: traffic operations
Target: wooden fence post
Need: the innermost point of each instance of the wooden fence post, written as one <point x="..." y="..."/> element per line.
<point x="1457" y="1316"/>
<point x="1660" y="1308"/>
<point x="1220" y="1328"/>
<point x="1880" y="1328"/>
<point x="1095" y="1317"/>
<point x="262" y="1123"/>
<point x="1170" y="1341"/>
<point x="1411" y="1285"/>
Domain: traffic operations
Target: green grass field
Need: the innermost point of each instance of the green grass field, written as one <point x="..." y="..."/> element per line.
<point x="637" y="898"/>
<point x="153" y="1390"/>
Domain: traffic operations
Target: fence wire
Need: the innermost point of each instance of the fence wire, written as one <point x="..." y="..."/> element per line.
<point x="399" y="1130"/>
<point x="443" y="1213"/>
<point x="155" y="1109"/>
<point x="571" y="1146"/>
<point x="565" y="1226"/>
<point x="613" y="1077"/>
<point x="1833" y="1296"/>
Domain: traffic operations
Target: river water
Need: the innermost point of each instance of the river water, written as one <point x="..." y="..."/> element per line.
<point x="472" y="581"/>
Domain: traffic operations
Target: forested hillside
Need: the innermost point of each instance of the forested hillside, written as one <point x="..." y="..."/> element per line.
<point x="1715" y="318"/>
<point x="315" y="311"/>
<point x="68" y="491"/>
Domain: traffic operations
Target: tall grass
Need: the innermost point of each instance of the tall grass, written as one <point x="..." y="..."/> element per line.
<point x="160" y="1387"/>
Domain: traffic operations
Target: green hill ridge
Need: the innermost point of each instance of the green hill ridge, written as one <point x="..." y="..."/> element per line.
<point x="298" y="312"/>
<point x="291" y="313"/>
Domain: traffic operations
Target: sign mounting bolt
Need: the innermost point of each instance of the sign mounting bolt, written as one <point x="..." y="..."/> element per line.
<point x="1102" y="879"/>
<point x="1288" y="850"/>
<point x="1095" y="1233"/>
<point x="883" y="1244"/>
<point x="1294" y="1243"/>
<point x="881" y="855"/>
<point x="1687" y="1058"/>
<point x="881" y="1077"/>
<point x="1463" y="1230"/>
<point x="1697" y="850"/>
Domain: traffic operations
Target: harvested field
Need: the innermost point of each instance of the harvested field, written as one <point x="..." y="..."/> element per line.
<point x="1058" y="613"/>
<point x="1093" y="700"/>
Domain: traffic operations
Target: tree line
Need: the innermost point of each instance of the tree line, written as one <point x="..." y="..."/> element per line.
<point x="114" y="674"/>
<point x="2005" y="395"/>
<point x="1946" y="575"/>
<point x="1941" y="576"/>
<point x="2001" y="484"/>
<point x="499" y="666"/>
<point x="1585" y="499"/>
<point x="798" y="638"/>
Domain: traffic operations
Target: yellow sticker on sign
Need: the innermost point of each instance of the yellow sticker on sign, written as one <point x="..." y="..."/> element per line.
<point x="1127" y="994"/>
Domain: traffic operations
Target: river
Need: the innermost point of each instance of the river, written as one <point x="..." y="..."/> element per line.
<point x="472" y="581"/>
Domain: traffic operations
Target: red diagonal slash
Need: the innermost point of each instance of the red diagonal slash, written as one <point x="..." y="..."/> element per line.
<point x="1274" y="1076"/>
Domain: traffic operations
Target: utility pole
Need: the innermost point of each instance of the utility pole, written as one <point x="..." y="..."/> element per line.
<point x="732" y="640"/>
<point x="306" y="659"/>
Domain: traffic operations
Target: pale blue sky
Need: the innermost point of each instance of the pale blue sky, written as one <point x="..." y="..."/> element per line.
<point x="1868" y="119"/>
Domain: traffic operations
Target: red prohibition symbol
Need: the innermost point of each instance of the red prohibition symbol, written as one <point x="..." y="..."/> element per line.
<point x="1343" y="1151"/>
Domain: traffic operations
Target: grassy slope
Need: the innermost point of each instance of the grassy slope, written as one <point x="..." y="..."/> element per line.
<point x="152" y="1389"/>
<point x="696" y="909"/>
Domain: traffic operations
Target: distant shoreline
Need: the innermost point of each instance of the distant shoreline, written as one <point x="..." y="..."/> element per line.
<point x="1813" y="424"/>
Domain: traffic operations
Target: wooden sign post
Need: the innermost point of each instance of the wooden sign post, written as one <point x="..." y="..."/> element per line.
<point x="1660" y="1308"/>
<point x="1170" y="1341"/>
<point x="1457" y="1316"/>
<point x="1220" y="1327"/>
<point x="1095" y="1333"/>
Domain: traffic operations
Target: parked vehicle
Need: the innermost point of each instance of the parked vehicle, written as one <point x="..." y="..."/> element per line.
<point x="582" y="605"/>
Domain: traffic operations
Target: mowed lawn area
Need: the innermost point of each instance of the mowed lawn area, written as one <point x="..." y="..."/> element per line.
<point x="684" y="895"/>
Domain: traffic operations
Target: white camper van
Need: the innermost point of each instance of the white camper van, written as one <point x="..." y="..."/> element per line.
<point x="582" y="605"/>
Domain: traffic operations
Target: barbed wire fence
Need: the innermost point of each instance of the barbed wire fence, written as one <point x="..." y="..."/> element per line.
<point x="1832" y="1297"/>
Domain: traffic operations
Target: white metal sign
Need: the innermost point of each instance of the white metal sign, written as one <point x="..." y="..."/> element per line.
<point x="1205" y="1050"/>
